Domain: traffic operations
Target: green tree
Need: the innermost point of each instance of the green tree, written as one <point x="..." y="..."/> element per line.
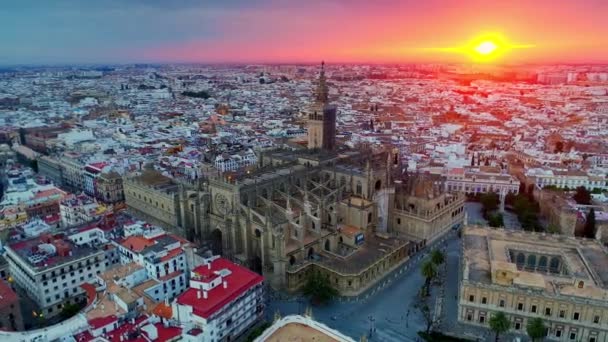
<point x="423" y="306"/>
<point x="553" y="229"/>
<point x="70" y="310"/>
<point x="429" y="271"/>
<point x="589" y="230"/>
<point x="499" y="323"/>
<point x="318" y="288"/>
<point x="536" y="329"/>
<point x="489" y="201"/>
<point x="437" y="257"/>
<point x="496" y="220"/>
<point x="582" y="196"/>
<point x="257" y="331"/>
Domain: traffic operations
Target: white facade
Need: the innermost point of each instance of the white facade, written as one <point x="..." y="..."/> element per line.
<point x="51" y="285"/>
<point x="235" y="162"/>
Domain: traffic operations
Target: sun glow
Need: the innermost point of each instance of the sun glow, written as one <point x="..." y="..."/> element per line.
<point x="486" y="48"/>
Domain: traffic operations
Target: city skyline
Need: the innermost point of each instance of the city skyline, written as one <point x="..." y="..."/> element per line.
<point x="387" y="31"/>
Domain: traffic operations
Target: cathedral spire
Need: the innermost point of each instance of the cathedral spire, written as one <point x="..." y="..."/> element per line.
<point x="322" y="91"/>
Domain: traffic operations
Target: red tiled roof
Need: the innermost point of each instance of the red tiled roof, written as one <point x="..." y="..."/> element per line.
<point x="90" y="291"/>
<point x="166" y="333"/>
<point x="7" y="295"/>
<point x="136" y="243"/>
<point x="240" y="280"/>
<point x="172" y="254"/>
<point x="101" y="322"/>
<point x="84" y="337"/>
<point x="49" y="192"/>
<point x="129" y="329"/>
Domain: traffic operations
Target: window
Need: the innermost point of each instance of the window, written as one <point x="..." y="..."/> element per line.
<point x="517" y="325"/>
<point x="592" y="339"/>
<point x="484" y="300"/>
<point x="533" y="309"/>
<point x="573" y="336"/>
<point x="520" y="306"/>
<point x="501" y="303"/>
<point x="558" y="333"/>
<point x="547" y="311"/>
<point x="482" y="319"/>
<point x="575" y="316"/>
<point x="596" y="319"/>
<point x="469" y="317"/>
<point x="562" y="313"/>
<point x="471" y="298"/>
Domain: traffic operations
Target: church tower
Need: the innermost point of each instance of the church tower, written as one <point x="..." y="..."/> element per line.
<point x="322" y="119"/>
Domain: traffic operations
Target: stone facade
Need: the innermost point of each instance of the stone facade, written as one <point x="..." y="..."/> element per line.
<point x="526" y="275"/>
<point x="423" y="211"/>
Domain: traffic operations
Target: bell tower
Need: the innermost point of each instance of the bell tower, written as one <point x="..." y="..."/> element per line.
<point x="322" y="119"/>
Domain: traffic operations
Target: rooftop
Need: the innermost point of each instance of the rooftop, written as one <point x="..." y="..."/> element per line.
<point x="48" y="250"/>
<point x="553" y="263"/>
<point x="300" y="328"/>
<point x="238" y="281"/>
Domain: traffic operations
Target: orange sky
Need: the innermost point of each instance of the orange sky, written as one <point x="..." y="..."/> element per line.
<point x="298" y="30"/>
<point x="402" y="31"/>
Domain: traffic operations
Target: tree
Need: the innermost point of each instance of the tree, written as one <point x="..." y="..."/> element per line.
<point x="499" y="323"/>
<point x="429" y="271"/>
<point x="422" y="304"/>
<point x="582" y="196"/>
<point x="318" y="288"/>
<point x="496" y="220"/>
<point x="70" y="310"/>
<point x="489" y="201"/>
<point x="553" y="229"/>
<point x="589" y="230"/>
<point x="437" y="257"/>
<point x="536" y="329"/>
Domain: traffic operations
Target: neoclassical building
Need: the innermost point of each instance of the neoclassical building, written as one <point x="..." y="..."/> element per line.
<point x="562" y="280"/>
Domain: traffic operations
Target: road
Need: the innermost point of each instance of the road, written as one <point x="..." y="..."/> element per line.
<point x="386" y="308"/>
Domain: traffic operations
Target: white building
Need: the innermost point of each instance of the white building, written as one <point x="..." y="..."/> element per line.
<point x="225" y="162"/>
<point x="571" y="179"/>
<point x="51" y="269"/>
<point x="76" y="210"/>
<point x="223" y="300"/>
<point x="474" y="180"/>
<point x="164" y="260"/>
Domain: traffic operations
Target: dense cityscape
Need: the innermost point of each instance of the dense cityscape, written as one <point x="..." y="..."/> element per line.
<point x="291" y="201"/>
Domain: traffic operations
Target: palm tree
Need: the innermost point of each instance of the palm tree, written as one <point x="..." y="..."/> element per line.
<point x="429" y="271"/>
<point x="437" y="257"/>
<point x="536" y="329"/>
<point x="499" y="323"/>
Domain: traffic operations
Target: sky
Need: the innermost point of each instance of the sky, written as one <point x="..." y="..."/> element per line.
<point x="286" y="31"/>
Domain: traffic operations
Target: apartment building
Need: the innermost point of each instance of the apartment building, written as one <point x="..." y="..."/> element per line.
<point x="224" y="299"/>
<point x="52" y="268"/>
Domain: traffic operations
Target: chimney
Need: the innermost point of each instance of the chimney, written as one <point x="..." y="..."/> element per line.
<point x="225" y="284"/>
<point x="205" y="294"/>
<point x="198" y="294"/>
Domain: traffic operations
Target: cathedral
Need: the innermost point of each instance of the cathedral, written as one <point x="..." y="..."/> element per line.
<point x="350" y="215"/>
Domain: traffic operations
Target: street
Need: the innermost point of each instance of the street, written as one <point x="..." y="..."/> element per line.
<point x="387" y="310"/>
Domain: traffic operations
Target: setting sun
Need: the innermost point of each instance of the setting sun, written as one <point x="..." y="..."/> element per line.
<point x="486" y="48"/>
